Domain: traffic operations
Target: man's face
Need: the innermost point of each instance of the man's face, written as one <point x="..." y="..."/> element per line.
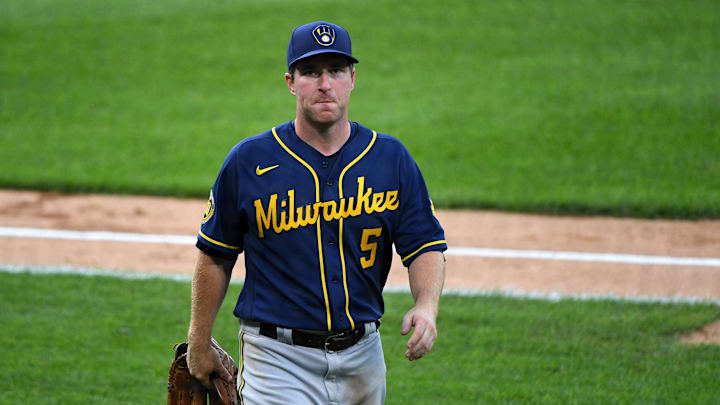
<point x="322" y="86"/>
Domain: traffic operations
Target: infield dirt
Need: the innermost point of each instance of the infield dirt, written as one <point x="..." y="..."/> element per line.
<point x="481" y="229"/>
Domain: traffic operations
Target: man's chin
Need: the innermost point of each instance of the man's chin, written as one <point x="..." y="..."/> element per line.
<point x="324" y="117"/>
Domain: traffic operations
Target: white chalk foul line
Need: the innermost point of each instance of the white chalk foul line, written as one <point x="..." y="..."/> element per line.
<point x="96" y="236"/>
<point x="584" y="257"/>
<point x="102" y="236"/>
<point x="466" y="292"/>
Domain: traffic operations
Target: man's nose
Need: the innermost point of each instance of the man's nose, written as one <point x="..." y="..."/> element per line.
<point x="324" y="81"/>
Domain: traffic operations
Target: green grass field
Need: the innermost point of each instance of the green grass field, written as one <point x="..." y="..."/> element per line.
<point x="563" y="107"/>
<point x="71" y="339"/>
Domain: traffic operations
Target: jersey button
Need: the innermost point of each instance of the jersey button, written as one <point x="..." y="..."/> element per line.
<point x="325" y="164"/>
<point x="335" y="280"/>
<point x="329" y="182"/>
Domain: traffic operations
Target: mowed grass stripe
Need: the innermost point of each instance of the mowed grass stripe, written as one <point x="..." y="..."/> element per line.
<point x="577" y="106"/>
<point x="109" y="340"/>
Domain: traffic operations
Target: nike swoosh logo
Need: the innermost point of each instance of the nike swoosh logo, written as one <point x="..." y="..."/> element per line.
<point x="260" y="171"/>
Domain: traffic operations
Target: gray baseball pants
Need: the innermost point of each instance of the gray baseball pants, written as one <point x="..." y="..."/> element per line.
<point x="277" y="372"/>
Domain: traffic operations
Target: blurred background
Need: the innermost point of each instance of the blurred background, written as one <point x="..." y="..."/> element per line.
<point x="560" y="107"/>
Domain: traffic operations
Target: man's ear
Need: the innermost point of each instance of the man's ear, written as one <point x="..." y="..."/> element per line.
<point x="352" y="85"/>
<point x="290" y="83"/>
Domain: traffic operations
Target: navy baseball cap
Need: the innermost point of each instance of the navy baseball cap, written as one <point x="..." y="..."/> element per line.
<point x="316" y="38"/>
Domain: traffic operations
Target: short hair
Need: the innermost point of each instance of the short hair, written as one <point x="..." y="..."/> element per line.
<point x="294" y="66"/>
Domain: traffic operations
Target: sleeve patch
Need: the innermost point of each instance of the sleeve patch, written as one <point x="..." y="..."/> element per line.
<point x="210" y="210"/>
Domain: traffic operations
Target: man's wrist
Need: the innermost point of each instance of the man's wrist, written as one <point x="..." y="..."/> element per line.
<point x="429" y="306"/>
<point x="198" y="339"/>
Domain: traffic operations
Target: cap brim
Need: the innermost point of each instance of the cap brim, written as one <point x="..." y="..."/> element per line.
<point x="319" y="51"/>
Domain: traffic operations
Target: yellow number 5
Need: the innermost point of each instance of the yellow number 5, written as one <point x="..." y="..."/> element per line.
<point x="365" y="246"/>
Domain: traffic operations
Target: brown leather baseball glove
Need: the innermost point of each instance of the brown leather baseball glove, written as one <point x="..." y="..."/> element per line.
<point x="184" y="389"/>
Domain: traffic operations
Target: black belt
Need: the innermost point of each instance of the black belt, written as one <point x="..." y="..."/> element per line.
<point x="330" y="341"/>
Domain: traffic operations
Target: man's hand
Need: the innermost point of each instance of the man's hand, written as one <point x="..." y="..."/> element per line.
<point x="205" y="363"/>
<point x="184" y="385"/>
<point x="427" y="275"/>
<point x="425" y="334"/>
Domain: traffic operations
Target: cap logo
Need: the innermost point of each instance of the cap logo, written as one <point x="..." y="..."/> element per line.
<point x="324" y="35"/>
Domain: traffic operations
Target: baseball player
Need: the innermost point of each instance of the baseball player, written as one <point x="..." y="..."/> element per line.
<point x="316" y="205"/>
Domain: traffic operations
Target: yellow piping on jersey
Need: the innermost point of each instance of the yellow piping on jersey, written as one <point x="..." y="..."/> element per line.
<point x="211" y="240"/>
<point x="340" y="242"/>
<point x="437" y="242"/>
<point x="319" y="234"/>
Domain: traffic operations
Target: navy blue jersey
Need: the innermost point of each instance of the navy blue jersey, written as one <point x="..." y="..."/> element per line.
<point x="317" y="231"/>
